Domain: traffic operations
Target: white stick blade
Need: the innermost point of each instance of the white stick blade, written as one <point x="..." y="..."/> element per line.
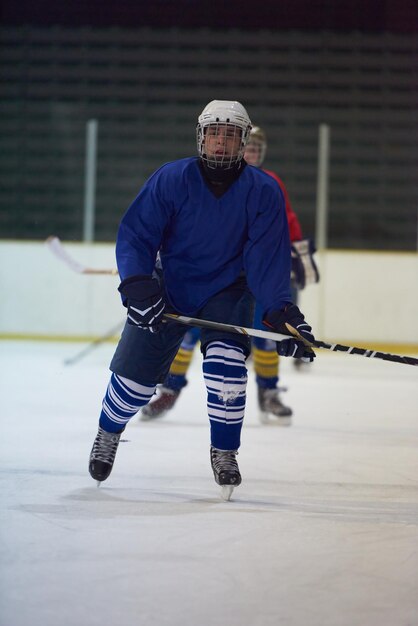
<point x="56" y="247"/>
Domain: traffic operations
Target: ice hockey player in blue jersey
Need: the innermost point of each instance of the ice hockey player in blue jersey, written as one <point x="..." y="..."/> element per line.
<point x="219" y="232"/>
<point x="265" y="357"/>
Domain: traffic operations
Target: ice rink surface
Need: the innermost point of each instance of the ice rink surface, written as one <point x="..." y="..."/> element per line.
<point x="323" y="530"/>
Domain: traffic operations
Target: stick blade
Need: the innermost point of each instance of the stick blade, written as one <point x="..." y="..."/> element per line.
<point x="56" y="247"/>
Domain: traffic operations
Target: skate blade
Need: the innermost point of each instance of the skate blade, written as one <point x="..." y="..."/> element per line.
<point x="263" y="417"/>
<point x="143" y="417"/>
<point x="286" y="420"/>
<point x="226" y="492"/>
<point x="98" y="483"/>
<point x="277" y="420"/>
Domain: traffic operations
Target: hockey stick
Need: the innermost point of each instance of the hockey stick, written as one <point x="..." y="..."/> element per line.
<point x="265" y="334"/>
<point x="54" y="243"/>
<point x="94" y="344"/>
<point x="56" y="247"/>
<point x="228" y="328"/>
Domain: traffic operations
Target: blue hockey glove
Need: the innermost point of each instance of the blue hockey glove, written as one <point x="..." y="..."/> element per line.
<point x="144" y="301"/>
<point x="290" y="321"/>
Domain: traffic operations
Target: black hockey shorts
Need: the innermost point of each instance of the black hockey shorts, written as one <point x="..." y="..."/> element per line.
<point x="146" y="357"/>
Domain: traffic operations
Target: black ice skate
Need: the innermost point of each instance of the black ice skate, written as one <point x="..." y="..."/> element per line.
<point x="270" y="404"/>
<point x="103" y="454"/>
<point x="161" y="405"/>
<point x="225" y="470"/>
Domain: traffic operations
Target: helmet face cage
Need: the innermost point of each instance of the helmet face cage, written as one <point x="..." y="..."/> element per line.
<point x="226" y="141"/>
<point x="255" y="152"/>
<point x="222" y="133"/>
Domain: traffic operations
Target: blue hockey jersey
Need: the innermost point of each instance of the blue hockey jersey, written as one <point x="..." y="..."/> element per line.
<point x="206" y="242"/>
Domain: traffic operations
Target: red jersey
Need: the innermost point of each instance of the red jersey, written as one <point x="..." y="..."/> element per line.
<point x="295" y="230"/>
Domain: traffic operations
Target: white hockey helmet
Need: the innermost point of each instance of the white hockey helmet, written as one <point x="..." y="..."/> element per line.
<point x="255" y="151"/>
<point x="220" y="113"/>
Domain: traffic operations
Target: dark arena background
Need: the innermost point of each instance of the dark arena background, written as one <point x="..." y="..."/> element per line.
<point x="143" y="70"/>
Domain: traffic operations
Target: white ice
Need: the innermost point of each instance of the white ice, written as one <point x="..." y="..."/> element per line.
<point x="323" y="530"/>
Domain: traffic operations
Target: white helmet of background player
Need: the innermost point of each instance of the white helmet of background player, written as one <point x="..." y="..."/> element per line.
<point x="255" y="150"/>
<point x="222" y="132"/>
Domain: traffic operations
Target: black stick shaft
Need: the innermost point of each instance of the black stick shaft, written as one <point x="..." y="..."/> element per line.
<point x="366" y="352"/>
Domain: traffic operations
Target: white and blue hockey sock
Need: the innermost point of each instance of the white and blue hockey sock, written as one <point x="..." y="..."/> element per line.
<point x="226" y="380"/>
<point x="123" y="399"/>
